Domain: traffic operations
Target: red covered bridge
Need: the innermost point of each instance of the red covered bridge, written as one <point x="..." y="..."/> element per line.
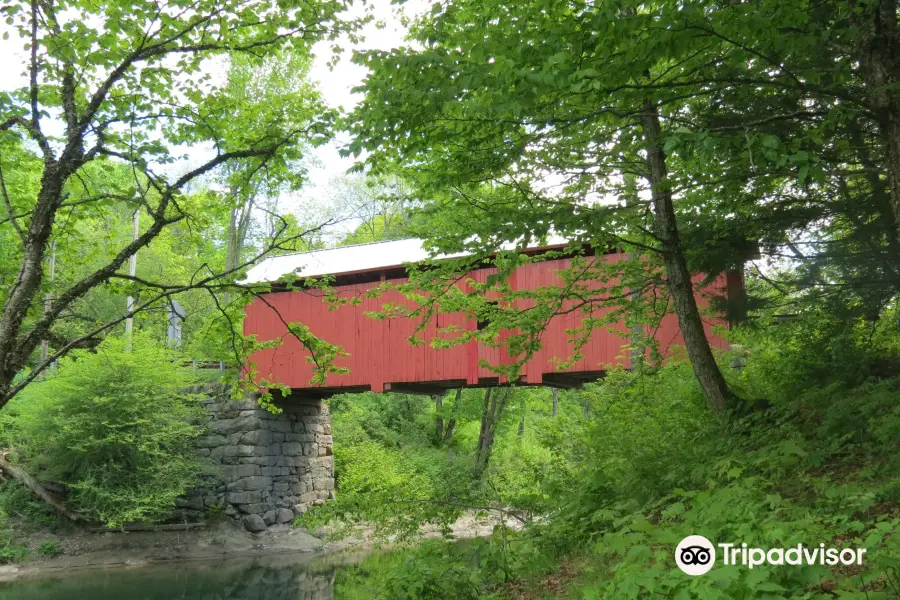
<point x="380" y="355"/>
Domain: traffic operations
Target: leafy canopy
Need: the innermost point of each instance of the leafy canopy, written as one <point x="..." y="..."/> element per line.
<point x="122" y="114"/>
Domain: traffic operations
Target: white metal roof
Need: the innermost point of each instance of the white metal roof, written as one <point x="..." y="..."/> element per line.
<point x="348" y="259"/>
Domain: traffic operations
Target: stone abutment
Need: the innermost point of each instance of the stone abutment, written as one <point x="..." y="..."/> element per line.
<point x="268" y="468"/>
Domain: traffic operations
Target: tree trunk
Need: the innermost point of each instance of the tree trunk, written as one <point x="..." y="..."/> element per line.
<point x="555" y="401"/>
<point x="451" y="424"/>
<point x="28" y="280"/>
<point x="892" y="133"/>
<point x="880" y="68"/>
<point x="632" y="198"/>
<point x="438" y="419"/>
<point x="231" y="240"/>
<point x="492" y="412"/>
<point x="681" y="289"/>
<point x="238" y="224"/>
<point x="637" y="329"/>
<point x="485" y="424"/>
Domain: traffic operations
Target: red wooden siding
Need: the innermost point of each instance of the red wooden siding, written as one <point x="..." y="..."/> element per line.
<point x="380" y="353"/>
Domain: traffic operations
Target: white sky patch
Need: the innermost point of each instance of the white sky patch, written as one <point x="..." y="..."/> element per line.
<point x="385" y="32"/>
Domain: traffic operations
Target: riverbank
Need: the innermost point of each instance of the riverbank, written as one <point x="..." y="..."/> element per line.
<point x="82" y="548"/>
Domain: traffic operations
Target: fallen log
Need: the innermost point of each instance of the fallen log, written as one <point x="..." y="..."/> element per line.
<point x="37" y="489"/>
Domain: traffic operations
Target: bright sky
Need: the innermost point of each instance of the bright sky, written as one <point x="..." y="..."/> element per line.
<point x="384" y="33"/>
<point x="335" y="84"/>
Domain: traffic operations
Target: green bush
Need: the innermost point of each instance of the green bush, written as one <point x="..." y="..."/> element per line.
<point x="12" y="554"/>
<point x="387" y="470"/>
<point x="818" y="465"/>
<point x="518" y="470"/>
<point x="16" y="499"/>
<point x="116" y="427"/>
<point x="47" y="549"/>
<point x="431" y="571"/>
<point x="9" y="552"/>
<point x="385" y="487"/>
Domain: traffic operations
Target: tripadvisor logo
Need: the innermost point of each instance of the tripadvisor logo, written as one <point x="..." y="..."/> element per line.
<point x="696" y="555"/>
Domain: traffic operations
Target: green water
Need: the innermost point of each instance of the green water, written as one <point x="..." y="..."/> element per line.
<point x="271" y="578"/>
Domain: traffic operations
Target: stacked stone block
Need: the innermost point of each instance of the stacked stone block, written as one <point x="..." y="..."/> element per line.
<point x="271" y="467"/>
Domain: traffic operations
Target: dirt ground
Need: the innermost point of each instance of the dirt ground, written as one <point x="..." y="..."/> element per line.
<point x="85" y="549"/>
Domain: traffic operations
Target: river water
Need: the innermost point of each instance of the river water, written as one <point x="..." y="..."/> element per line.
<point x="271" y="578"/>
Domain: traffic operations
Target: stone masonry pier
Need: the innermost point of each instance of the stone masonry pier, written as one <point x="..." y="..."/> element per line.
<point x="270" y="467"/>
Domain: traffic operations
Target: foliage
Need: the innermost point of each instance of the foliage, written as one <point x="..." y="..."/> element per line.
<point x="774" y="480"/>
<point x="667" y="137"/>
<point x="683" y="133"/>
<point x="117" y="428"/>
<point x="47" y="549"/>
<point x="518" y="473"/>
<point x="16" y="499"/>
<point x="805" y="459"/>
<point x="114" y="96"/>
<point x="433" y="572"/>
<point x="391" y="470"/>
<point x="387" y="472"/>
<point x="12" y="554"/>
<point x="9" y="552"/>
<point x="373" y="477"/>
<point x="374" y="208"/>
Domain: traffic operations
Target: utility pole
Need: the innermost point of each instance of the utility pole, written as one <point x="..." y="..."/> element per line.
<point x="48" y="301"/>
<point x="132" y="271"/>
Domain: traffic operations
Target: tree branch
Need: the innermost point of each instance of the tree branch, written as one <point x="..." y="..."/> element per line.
<point x="9" y="208"/>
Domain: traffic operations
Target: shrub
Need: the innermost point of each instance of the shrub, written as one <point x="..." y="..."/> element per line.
<point x="12" y="554"/>
<point x="116" y="427"/>
<point x="9" y="553"/>
<point x="381" y="486"/>
<point x="431" y="571"/>
<point x="516" y="475"/>
<point x="47" y="549"/>
<point x="16" y="499"/>
<point x="817" y="466"/>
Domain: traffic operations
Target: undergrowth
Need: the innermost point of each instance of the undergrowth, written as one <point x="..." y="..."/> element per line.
<point x="809" y="456"/>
